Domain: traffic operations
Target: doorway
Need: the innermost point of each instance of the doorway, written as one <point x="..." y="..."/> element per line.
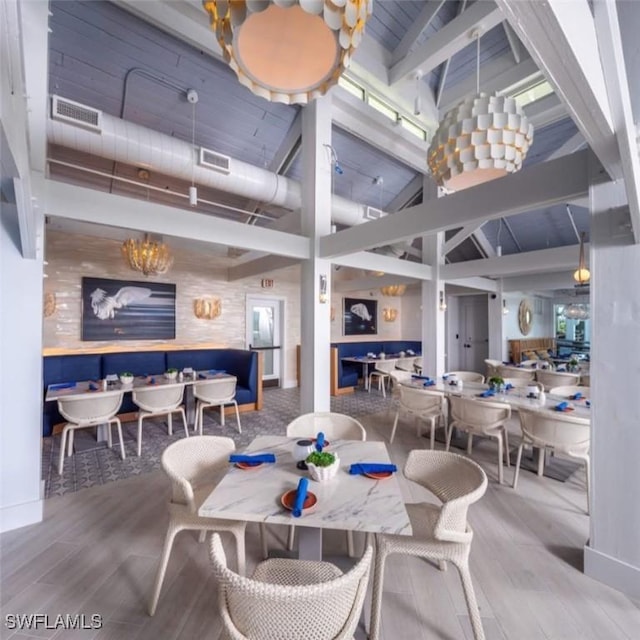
<point x="474" y="332"/>
<point x="265" y="333"/>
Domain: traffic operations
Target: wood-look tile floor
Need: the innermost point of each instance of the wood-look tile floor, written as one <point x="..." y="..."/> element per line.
<point x="97" y="550"/>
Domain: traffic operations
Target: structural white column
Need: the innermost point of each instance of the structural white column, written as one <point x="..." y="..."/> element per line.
<point x="315" y="329"/>
<point x="497" y="341"/>
<point x="613" y="553"/>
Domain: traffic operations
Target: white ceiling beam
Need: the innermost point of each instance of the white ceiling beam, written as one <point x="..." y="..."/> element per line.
<point x="483" y="284"/>
<point x="448" y="41"/>
<point x="573" y="144"/>
<point x="483" y="242"/>
<point x="528" y="262"/>
<point x="427" y="14"/>
<point x="544" y="282"/>
<point x="514" y="42"/>
<point x="260" y="266"/>
<point x="408" y="193"/>
<point x="498" y="75"/>
<point x="372" y="282"/>
<point x="561" y="38"/>
<point x="612" y="56"/>
<point x="459" y="238"/>
<point x="534" y="187"/>
<point x="545" y="111"/>
<point x="376" y="262"/>
<point x="79" y="203"/>
<point x="442" y="81"/>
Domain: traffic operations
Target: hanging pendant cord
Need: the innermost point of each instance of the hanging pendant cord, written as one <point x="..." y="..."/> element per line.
<point x="478" y="63"/>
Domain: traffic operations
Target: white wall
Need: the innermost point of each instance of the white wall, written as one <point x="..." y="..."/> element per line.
<point x="20" y="376"/>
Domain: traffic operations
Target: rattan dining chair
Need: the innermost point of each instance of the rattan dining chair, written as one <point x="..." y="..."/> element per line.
<point x="382" y="374"/>
<point x="492" y="368"/>
<point x="568" y="391"/>
<point x="423" y="404"/>
<point x="90" y="410"/>
<point x="215" y="393"/>
<point x="482" y="418"/>
<point x="440" y="533"/>
<point x="406" y="364"/>
<point x="563" y="434"/>
<point x="290" y="599"/>
<point x="194" y="467"/>
<point x="335" y="426"/>
<point x="551" y="379"/>
<point x="163" y="400"/>
<point x="509" y="371"/>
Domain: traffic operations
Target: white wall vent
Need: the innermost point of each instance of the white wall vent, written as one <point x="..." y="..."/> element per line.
<point x="214" y="160"/>
<point x="77" y="114"/>
<point x="370" y="213"/>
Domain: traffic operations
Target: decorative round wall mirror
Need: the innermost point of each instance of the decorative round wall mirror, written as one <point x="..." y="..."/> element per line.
<point x="525" y="317"/>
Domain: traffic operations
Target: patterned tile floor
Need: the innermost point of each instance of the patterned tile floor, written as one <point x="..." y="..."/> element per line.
<point x="95" y="464"/>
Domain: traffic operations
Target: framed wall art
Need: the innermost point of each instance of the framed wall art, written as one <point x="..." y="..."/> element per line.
<point x="128" y="310"/>
<point x="360" y="317"/>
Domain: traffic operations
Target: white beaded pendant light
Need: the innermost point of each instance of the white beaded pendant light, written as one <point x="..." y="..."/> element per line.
<point x="483" y="138"/>
<point x="289" y="51"/>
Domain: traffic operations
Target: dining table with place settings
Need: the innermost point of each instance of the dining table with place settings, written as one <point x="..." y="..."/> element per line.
<point x="348" y="501"/>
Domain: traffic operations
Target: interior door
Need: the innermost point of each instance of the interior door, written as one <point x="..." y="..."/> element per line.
<point x="264" y="333"/>
<point x="474" y="333"/>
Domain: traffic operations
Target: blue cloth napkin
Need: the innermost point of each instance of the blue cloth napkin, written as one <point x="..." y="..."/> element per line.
<point x="576" y="396"/>
<point x="258" y="457"/>
<point x="509" y="386"/>
<point x="445" y="377"/>
<point x="152" y="381"/>
<point x="214" y="371"/>
<point x="301" y="496"/>
<point x="319" y="441"/>
<point x="487" y="394"/>
<point x="588" y="403"/>
<point x="62" y="385"/>
<point x="92" y="387"/>
<point x="429" y="383"/>
<point x="417" y="377"/>
<point x="202" y="376"/>
<point x="561" y="406"/>
<point x="371" y="467"/>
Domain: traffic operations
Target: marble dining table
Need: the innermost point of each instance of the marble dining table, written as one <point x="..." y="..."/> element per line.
<point x="347" y="502"/>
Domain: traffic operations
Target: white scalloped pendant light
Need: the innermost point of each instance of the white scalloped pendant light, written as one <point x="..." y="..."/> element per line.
<point x="289" y="51"/>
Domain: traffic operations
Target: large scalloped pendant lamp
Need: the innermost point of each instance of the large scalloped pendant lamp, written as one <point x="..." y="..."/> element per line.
<point x="483" y="138"/>
<point x="289" y="51"/>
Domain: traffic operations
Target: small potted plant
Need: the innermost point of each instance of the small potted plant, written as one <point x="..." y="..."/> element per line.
<point x="322" y="465"/>
<point x="126" y="377"/>
<point x="171" y="374"/>
<point x="496" y="383"/>
<point x="573" y="365"/>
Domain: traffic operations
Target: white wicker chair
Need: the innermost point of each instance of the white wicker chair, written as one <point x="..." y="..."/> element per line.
<point x="163" y="400"/>
<point x="585" y="379"/>
<point x="551" y="379"/>
<point x="508" y="371"/>
<point x="90" y="410"/>
<point x="478" y="417"/>
<point x="382" y="374"/>
<point x="194" y="467"/>
<point x="290" y="599"/>
<point x="215" y="393"/>
<point x="467" y="376"/>
<point x="567" y="391"/>
<point x="406" y="364"/>
<point x="440" y="533"/>
<point x="492" y="368"/>
<point x="424" y="404"/>
<point x="335" y="426"/>
<point x="418" y="364"/>
<point x="562" y="433"/>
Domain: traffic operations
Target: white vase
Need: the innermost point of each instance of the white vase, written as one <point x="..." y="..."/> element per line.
<point x="323" y="474"/>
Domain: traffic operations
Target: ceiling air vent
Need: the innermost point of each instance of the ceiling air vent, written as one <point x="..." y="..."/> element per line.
<point x="373" y="214"/>
<point x="215" y="161"/>
<point x="76" y="113"/>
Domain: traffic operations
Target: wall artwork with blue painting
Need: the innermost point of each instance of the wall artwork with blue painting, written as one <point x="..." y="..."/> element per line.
<point x="128" y="310"/>
<point x="360" y="316"/>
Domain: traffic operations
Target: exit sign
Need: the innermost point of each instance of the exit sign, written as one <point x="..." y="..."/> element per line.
<point x="267" y="283"/>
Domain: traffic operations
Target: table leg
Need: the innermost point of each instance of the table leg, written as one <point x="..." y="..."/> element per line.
<point x="365" y="368"/>
<point x="309" y="543"/>
<point x="101" y="432"/>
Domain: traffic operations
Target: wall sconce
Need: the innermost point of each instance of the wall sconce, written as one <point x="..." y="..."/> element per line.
<point x="505" y="310"/>
<point x="323" y="289"/>
<point x="389" y="314"/>
<point x="49" y="304"/>
<point x="443" y="304"/>
<point x="207" y="308"/>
